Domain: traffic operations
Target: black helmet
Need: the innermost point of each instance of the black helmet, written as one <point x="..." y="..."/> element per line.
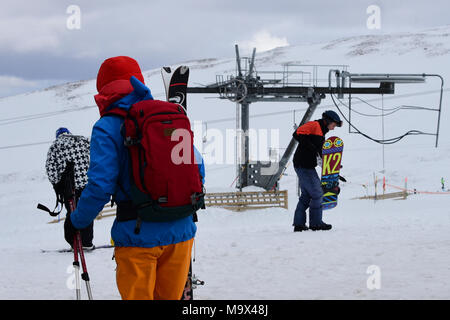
<point x="331" y="116"/>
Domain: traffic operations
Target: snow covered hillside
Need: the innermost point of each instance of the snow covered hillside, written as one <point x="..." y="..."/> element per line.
<point x="255" y="254"/>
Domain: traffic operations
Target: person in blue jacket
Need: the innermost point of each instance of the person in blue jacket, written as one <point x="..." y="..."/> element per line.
<point x="154" y="263"/>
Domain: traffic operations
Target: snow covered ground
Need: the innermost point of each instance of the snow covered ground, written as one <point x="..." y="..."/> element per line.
<point x="255" y="254"/>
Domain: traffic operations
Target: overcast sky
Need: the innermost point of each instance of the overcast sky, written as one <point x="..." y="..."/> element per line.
<point x="38" y="49"/>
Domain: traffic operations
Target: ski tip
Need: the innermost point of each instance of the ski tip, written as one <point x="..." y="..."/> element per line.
<point x="167" y="69"/>
<point x="184" y="69"/>
<point x="56" y="250"/>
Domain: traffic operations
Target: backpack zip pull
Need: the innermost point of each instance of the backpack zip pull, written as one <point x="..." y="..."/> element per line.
<point x="137" y="229"/>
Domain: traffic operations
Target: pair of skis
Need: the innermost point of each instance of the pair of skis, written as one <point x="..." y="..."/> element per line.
<point x="175" y="84"/>
<point x="105" y="246"/>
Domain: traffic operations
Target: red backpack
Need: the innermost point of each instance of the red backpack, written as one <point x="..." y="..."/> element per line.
<point x="166" y="183"/>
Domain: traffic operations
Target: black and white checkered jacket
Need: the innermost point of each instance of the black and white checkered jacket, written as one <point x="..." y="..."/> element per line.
<point x="68" y="148"/>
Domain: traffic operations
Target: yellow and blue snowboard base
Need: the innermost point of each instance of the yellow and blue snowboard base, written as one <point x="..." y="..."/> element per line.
<point x="331" y="164"/>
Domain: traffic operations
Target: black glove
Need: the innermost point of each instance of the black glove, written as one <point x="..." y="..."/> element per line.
<point x="69" y="230"/>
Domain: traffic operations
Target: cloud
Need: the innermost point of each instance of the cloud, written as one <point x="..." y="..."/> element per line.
<point x="263" y="41"/>
<point x="36" y="44"/>
<point x="30" y="34"/>
<point x="12" y="85"/>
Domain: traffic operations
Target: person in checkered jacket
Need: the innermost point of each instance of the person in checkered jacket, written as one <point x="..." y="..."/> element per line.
<point x="68" y="158"/>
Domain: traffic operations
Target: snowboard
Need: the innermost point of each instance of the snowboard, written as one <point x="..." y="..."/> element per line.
<point x="175" y="84"/>
<point x="331" y="164"/>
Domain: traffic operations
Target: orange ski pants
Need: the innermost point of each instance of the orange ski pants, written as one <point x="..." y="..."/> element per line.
<point x="157" y="273"/>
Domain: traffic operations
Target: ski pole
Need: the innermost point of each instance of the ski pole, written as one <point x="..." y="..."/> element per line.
<point x="76" y="266"/>
<point x="85" y="274"/>
<point x="78" y="249"/>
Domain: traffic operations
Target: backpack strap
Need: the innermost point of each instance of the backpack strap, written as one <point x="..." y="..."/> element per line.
<point x="64" y="190"/>
<point x="59" y="202"/>
<point x="113" y="198"/>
